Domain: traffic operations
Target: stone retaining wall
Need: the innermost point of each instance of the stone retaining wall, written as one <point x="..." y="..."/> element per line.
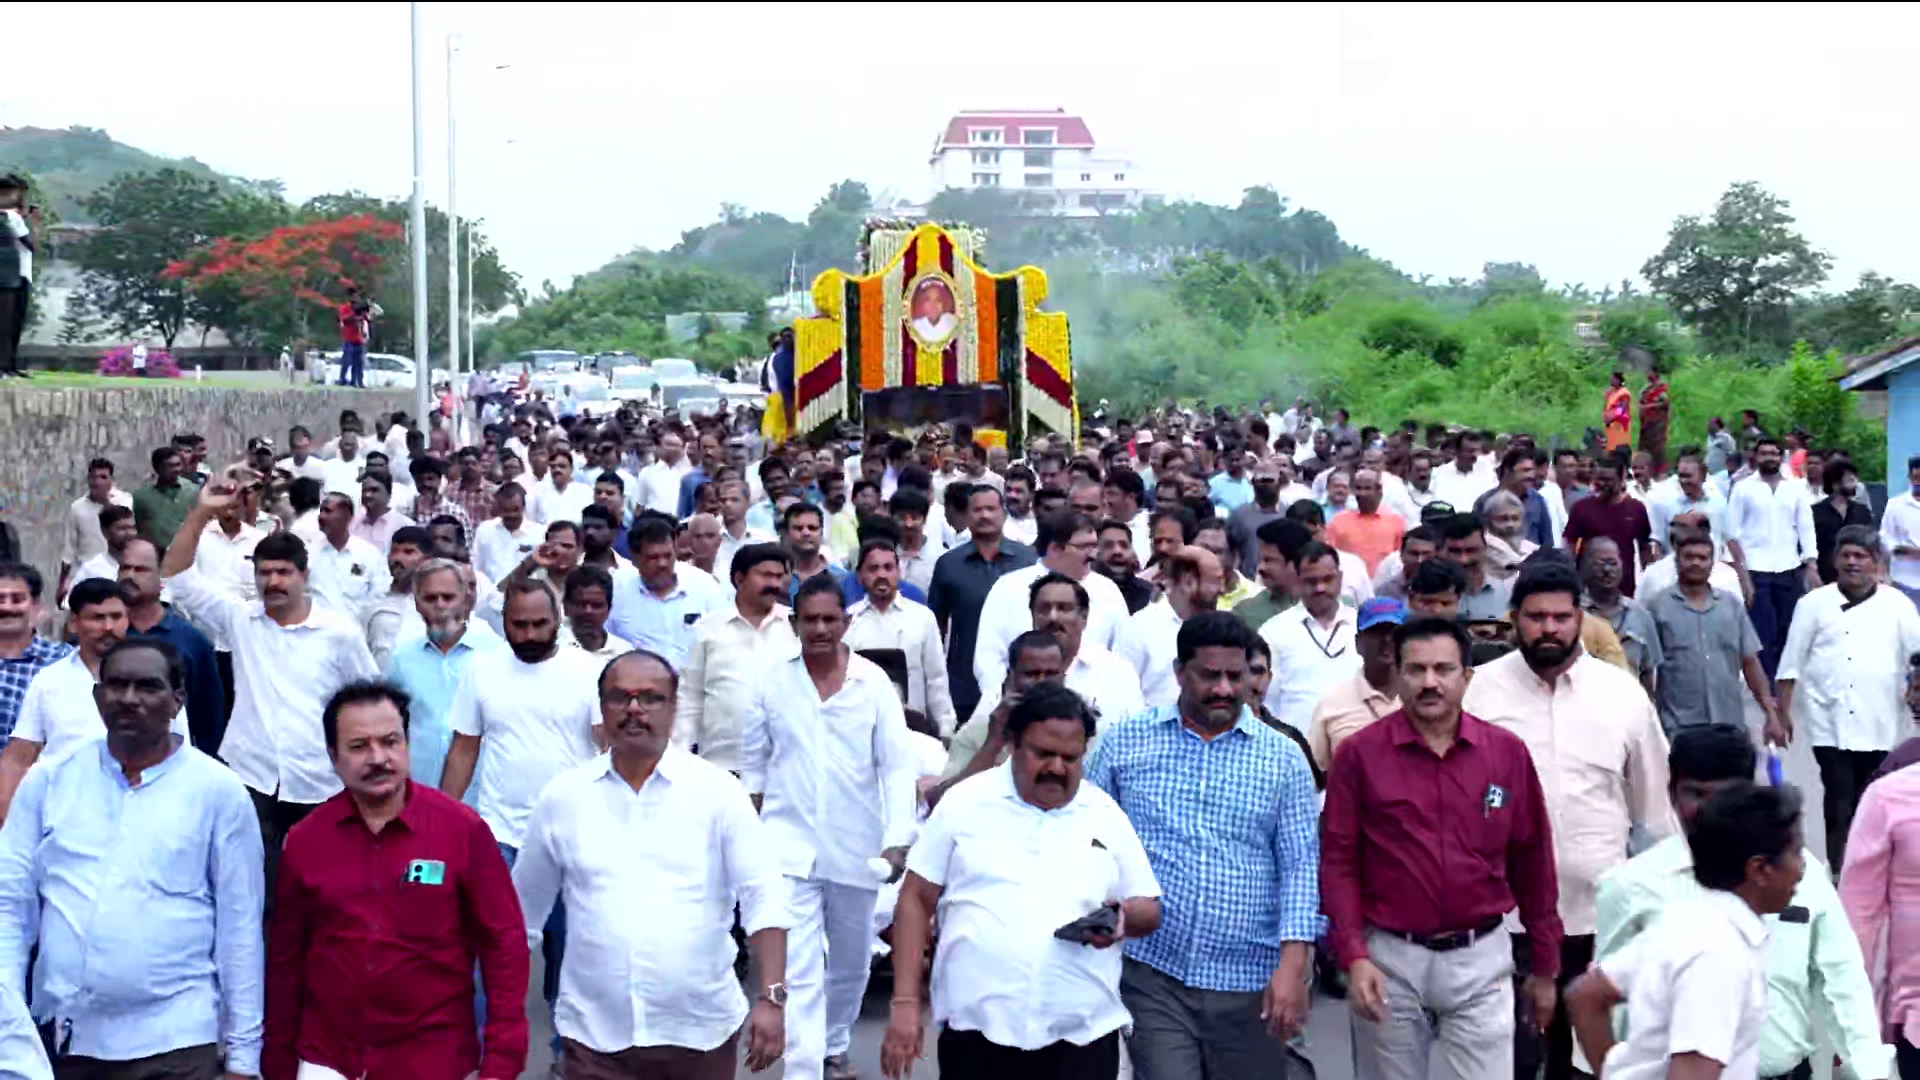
<point x="47" y="437"/>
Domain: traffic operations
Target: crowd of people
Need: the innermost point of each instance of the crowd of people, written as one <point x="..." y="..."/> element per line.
<point x="1121" y="751"/>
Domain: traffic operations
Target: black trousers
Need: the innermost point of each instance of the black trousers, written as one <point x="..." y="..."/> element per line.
<point x="13" y="322"/>
<point x="969" y="1055"/>
<point x="1554" y="1046"/>
<point x="276" y="818"/>
<point x="1907" y="1057"/>
<point x="1843" y="778"/>
<point x="191" y="1063"/>
<point x="207" y="734"/>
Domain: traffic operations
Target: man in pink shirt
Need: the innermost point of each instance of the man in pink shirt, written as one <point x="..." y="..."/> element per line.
<point x="1367" y="531"/>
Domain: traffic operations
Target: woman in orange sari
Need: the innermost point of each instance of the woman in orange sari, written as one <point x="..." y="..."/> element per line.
<point x="1618" y="414"/>
<point x="1655" y="405"/>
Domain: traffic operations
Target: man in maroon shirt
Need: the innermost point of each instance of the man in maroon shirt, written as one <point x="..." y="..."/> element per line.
<point x="1611" y="512"/>
<point x="1434" y="828"/>
<point x="388" y="894"/>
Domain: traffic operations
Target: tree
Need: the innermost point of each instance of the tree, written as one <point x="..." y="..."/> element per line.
<point x="1732" y="276"/>
<point x="624" y="306"/>
<point x="147" y="222"/>
<point x="282" y="287"/>
<point x="1869" y="314"/>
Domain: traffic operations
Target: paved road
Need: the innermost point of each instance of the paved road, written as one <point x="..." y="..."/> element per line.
<point x="1327" y="1041"/>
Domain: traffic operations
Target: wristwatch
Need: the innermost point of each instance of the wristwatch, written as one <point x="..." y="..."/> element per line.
<point x="776" y="995"/>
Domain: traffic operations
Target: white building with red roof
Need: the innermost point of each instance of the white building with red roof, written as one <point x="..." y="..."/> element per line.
<point x="1045" y="152"/>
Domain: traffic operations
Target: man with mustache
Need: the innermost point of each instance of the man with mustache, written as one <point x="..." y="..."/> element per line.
<point x="430" y="667"/>
<point x="1770" y="538"/>
<point x="289" y="656"/>
<point x="392" y="618"/>
<point x="884" y="619"/>
<point x="1217" y="990"/>
<point x="732" y="646"/>
<point x="390" y="895"/>
<point x="658" y="606"/>
<point x="349" y="572"/>
<point x="649" y="827"/>
<point x="1602" y="758"/>
<point x="825" y="752"/>
<point x="1193" y="579"/>
<point x="1068" y="542"/>
<point x="1436" y="827"/>
<point x="58" y="713"/>
<point x="1035" y="657"/>
<point x="133" y="864"/>
<point x="149" y="616"/>
<point x="536" y="712"/>
<point x="1010" y="999"/>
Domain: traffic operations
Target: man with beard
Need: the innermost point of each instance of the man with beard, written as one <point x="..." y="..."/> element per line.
<point x="430" y="667"/>
<point x="289" y="656"/>
<point x="727" y="658"/>
<point x="1596" y="741"/>
<point x="651" y="827"/>
<point x="536" y="712"/>
<point x="658" y="607"/>
<point x="392" y="617"/>
<point x="1192" y="580"/>
<point x="1279" y="542"/>
<point x="1019" y="526"/>
<point x="1117" y="563"/>
<point x="149" y="617"/>
<point x="599" y="525"/>
<point x="1436" y="827"/>
<point x="1011" y="1000"/>
<point x="1771" y="540"/>
<point x="133" y="864"/>
<point x="1217" y="990"/>
<point x="1613" y="513"/>
<point x="826" y="755"/>
<point x="884" y="619"/>
<point x="1243" y="525"/>
<point x="391" y="894"/>
<point x="58" y="713"/>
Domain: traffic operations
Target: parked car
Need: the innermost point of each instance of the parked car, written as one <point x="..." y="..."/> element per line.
<point x="675" y="368"/>
<point x="634" y="384"/>
<point x="385" y="371"/>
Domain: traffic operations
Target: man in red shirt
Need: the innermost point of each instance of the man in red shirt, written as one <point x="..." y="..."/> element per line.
<point x="388" y="894"/>
<point x="356" y="318"/>
<point x="1435" y="827"/>
<point x="1610" y="511"/>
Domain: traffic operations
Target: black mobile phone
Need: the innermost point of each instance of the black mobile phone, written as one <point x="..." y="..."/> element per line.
<point x="1102" y="920"/>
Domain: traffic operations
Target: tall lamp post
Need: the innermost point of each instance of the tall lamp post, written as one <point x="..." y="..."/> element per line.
<point x="453" y="227"/>
<point x="422" y="367"/>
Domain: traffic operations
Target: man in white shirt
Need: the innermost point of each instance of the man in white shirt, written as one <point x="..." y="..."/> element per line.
<point x="658" y="486"/>
<point x="302" y="462"/>
<point x="1193" y="580"/>
<point x="393" y="617"/>
<point x="343" y="472"/>
<point x="16" y="268"/>
<point x="1664" y="573"/>
<point x="225" y="558"/>
<point x="58" y="712"/>
<point x="289" y="655"/>
<point x="1067" y="543"/>
<point x="1006" y="859"/>
<point x="1900" y="529"/>
<point x="83" y="537"/>
<point x="883" y="619"/>
<point x="1313" y="644"/>
<point x="1695" y="986"/>
<point x="732" y="647"/>
<point x="1691" y="494"/>
<point x="536" y="712"/>
<point x="1843" y="675"/>
<point x="649" y="846"/>
<point x="560" y="497"/>
<point x="349" y="575"/>
<point x="734" y="532"/>
<point x="826" y="752"/>
<point x="1020" y="525"/>
<point x="1461" y="482"/>
<point x="1769" y="533"/>
<point x="116" y="525"/>
<point x="504" y="540"/>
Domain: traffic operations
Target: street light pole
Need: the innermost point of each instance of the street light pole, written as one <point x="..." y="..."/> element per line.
<point x="453" y="228"/>
<point x="422" y="367"/>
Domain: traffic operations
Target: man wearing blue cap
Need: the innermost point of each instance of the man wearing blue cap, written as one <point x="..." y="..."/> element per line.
<point x="1352" y="704"/>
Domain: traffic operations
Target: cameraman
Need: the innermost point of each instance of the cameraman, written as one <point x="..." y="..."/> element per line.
<point x="17" y="223"/>
<point x="356" y="326"/>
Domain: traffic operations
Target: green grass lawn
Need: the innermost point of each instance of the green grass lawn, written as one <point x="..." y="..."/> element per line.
<point x="221" y="380"/>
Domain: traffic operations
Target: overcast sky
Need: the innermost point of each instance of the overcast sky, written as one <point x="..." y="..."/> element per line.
<point x="1437" y="136"/>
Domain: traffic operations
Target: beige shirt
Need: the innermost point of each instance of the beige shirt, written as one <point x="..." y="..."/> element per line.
<point x="729" y="660"/>
<point x="1602" y="758"/>
<point x="83" y="537"/>
<point x="911" y="628"/>
<point x="1351" y="705"/>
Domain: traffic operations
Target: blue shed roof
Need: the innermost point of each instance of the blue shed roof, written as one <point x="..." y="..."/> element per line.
<point x="1869" y="372"/>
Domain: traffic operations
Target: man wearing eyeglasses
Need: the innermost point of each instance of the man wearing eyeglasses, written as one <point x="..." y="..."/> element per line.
<point x="1313" y="643"/>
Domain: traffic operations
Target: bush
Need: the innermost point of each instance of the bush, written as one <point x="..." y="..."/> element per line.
<point x="160" y="363"/>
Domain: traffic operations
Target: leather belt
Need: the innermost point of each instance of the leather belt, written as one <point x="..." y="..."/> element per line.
<point x="1452" y="939"/>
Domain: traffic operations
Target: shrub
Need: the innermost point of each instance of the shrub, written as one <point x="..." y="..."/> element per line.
<point x="119" y="361"/>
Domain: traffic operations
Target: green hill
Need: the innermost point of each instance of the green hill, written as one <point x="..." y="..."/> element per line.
<point x="73" y="163"/>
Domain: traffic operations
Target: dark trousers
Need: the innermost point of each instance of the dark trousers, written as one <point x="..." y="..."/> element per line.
<point x="191" y="1063"/>
<point x="353" y="364"/>
<point x="276" y="819"/>
<point x="651" y="1062"/>
<point x="1774" y="598"/>
<point x="1802" y="1071"/>
<point x="1843" y="777"/>
<point x="1907" y="1057"/>
<point x="207" y="735"/>
<point x="969" y="1055"/>
<point x="1554" y="1046"/>
<point x="13" y="322"/>
<point x="1184" y="1033"/>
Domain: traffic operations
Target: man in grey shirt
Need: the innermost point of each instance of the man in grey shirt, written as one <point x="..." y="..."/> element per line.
<point x="1707" y="645"/>
<point x="1600" y="574"/>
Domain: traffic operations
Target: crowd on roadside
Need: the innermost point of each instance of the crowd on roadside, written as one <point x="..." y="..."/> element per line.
<point x="1122" y="751"/>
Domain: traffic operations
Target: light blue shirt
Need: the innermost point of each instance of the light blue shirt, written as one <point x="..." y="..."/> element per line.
<point x="760" y="516"/>
<point x="430" y="677"/>
<point x="146" y="903"/>
<point x="21" y="1055"/>
<point x="1229" y="494"/>
<point x="663" y="624"/>
<point x="1231" y="827"/>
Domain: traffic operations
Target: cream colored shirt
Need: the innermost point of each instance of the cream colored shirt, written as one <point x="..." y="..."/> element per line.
<point x="911" y="628"/>
<point x="1349" y="706"/>
<point x="83" y="537"/>
<point x="1602" y="758"/>
<point x="729" y="659"/>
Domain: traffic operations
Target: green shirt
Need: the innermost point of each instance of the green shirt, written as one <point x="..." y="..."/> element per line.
<point x="159" y="512"/>
<point x="1814" y="968"/>
<point x="1255" y="610"/>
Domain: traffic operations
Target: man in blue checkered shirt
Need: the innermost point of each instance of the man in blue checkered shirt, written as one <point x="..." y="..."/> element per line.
<point x="22" y="651"/>
<point x="1227" y="811"/>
